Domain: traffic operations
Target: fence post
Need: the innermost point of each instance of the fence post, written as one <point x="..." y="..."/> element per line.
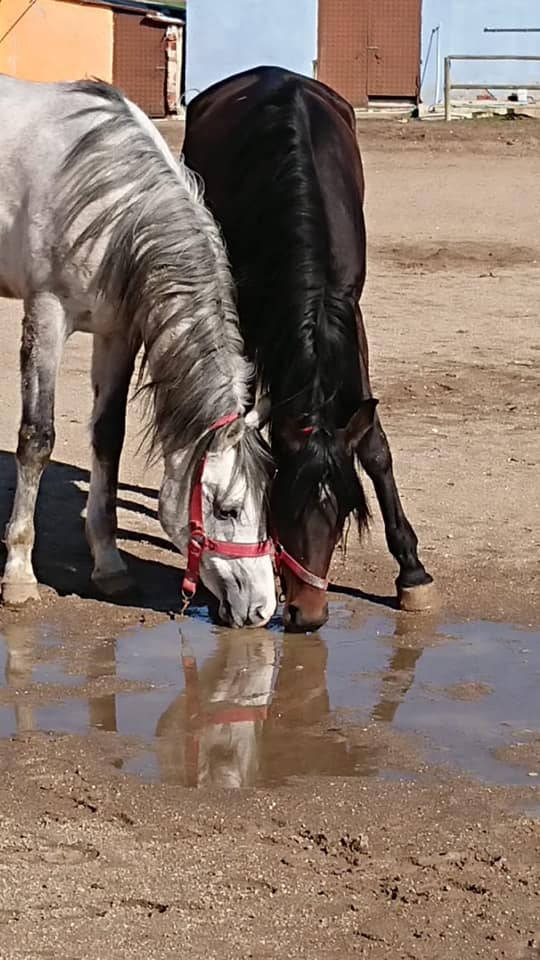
<point x="447" y="88"/>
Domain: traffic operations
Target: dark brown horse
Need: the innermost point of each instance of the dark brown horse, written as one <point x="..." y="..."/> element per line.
<point x="283" y="176"/>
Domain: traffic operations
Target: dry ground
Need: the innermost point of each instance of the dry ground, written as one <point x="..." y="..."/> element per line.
<point x="94" y="865"/>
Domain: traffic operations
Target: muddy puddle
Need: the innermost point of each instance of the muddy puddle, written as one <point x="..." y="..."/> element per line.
<point x="200" y="705"/>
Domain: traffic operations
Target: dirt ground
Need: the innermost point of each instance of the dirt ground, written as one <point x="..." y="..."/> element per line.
<point x="95" y="864"/>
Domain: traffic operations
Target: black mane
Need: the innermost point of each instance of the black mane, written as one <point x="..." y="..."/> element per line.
<point x="296" y="298"/>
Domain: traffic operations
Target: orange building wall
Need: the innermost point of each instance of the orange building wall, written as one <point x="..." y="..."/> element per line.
<point x="55" y="40"/>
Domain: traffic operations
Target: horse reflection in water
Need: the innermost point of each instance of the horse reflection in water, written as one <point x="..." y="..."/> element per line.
<point x="211" y="734"/>
<point x="26" y="662"/>
<point x="20" y="659"/>
<point x="259" y="711"/>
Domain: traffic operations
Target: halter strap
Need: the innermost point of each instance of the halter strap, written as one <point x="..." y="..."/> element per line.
<point x="283" y="558"/>
<point x="223" y="421"/>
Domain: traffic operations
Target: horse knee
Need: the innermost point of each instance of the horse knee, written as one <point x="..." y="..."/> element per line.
<point x="374" y="453"/>
<point x="36" y="442"/>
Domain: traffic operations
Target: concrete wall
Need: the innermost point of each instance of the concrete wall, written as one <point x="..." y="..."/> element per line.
<point x="55" y="40"/>
<point x="225" y="38"/>
<point x="462" y="23"/>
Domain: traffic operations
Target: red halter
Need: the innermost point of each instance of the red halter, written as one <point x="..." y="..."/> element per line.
<point x="284" y="559"/>
<point x="199" y="542"/>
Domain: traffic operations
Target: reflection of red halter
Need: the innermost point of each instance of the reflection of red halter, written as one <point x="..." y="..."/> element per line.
<point x="195" y="719"/>
<point x="199" y="542"/>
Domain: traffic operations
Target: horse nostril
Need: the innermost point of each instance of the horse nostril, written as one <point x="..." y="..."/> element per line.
<point x="257" y="617"/>
<point x="293" y="613"/>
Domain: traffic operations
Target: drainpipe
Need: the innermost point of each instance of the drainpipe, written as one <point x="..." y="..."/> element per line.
<point x="438" y="61"/>
<point x="435" y="32"/>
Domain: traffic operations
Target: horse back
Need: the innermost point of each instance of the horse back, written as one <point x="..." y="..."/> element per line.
<point x="283" y="176"/>
<point x="242" y="131"/>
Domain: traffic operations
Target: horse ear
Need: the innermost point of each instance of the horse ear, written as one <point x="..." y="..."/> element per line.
<point x="260" y="415"/>
<point x="228" y="437"/>
<point x="359" y="424"/>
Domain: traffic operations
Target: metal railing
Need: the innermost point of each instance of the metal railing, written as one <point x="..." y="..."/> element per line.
<point x="449" y="86"/>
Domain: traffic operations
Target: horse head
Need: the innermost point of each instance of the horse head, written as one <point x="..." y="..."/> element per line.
<point x="315" y="490"/>
<point x="220" y="524"/>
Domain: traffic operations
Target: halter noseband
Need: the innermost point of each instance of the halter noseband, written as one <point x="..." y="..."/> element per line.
<point x="284" y="559"/>
<point x="199" y="542"/>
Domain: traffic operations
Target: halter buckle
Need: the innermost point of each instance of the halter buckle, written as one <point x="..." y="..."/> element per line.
<point x="197" y="543"/>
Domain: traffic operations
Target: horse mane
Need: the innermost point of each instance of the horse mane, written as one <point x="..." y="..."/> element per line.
<point x="297" y="312"/>
<point x="164" y="269"/>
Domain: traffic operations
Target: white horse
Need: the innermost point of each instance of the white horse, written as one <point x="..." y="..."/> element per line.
<point x="101" y="230"/>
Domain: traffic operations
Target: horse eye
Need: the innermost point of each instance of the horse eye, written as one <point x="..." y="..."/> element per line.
<point x="227" y="514"/>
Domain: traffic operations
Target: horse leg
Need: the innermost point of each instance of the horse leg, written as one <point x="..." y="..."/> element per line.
<point x="414" y="584"/>
<point x="43" y="337"/>
<point x="102" y="709"/>
<point x="112" y="367"/>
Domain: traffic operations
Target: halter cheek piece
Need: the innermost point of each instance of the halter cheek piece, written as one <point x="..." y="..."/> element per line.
<point x="199" y="542"/>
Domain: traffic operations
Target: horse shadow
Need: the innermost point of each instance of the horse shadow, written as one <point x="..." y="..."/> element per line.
<point x="62" y="557"/>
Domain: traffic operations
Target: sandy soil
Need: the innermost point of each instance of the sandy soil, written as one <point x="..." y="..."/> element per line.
<point x="93" y="864"/>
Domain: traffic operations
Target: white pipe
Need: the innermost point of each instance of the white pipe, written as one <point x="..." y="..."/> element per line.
<point x="425" y="64"/>
<point x="438" y="62"/>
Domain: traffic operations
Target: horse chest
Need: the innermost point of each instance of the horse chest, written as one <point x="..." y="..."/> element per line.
<point x="85" y="318"/>
<point x="11" y="261"/>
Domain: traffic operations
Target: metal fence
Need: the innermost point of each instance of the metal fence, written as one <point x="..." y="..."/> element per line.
<point x="449" y="85"/>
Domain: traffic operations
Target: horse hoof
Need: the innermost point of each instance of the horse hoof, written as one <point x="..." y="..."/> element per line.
<point x="417" y="599"/>
<point x="116" y="585"/>
<point x="16" y="593"/>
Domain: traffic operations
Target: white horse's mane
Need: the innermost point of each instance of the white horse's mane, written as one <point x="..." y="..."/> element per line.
<point x="164" y="265"/>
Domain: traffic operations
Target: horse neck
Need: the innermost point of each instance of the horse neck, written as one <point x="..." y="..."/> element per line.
<point x="325" y="383"/>
<point x="164" y="270"/>
<point x="195" y="363"/>
<point x="187" y="342"/>
<point x="163" y="266"/>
